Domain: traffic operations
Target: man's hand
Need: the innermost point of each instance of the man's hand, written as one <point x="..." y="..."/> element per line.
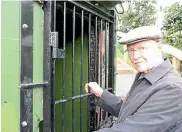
<point x="94" y="88"/>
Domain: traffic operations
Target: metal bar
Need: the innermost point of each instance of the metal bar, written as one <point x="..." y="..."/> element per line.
<point x="70" y="11"/>
<point x="54" y="16"/>
<point x="93" y="11"/>
<point x="64" y="70"/>
<point x="73" y="69"/>
<point x="100" y="51"/>
<point x="96" y="62"/>
<point x="107" y="53"/>
<point x="103" y="62"/>
<point x="53" y="26"/>
<point x="111" y="54"/>
<point x="75" y="97"/>
<point x="99" y="70"/>
<point x="106" y="56"/>
<point x="64" y="28"/>
<point x="103" y="53"/>
<point x="92" y="76"/>
<point x="48" y="98"/>
<point x="98" y="9"/>
<point x="107" y="59"/>
<point x="72" y="98"/>
<point x="46" y="74"/>
<point x="96" y="45"/>
<point x="100" y="58"/>
<point x="32" y="85"/>
<point x="81" y="77"/>
<point x="26" y="95"/>
<point x="89" y="78"/>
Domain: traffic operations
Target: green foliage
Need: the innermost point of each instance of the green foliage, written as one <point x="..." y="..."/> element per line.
<point x="120" y="47"/>
<point x="139" y="13"/>
<point x="173" y="26"/>
<point x="119" y="54"/>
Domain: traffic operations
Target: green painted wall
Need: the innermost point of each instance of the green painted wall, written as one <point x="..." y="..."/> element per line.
<point x="10" y="39"/>
<point x="10" y="66"/>
<point x="38" y="18"/>
<point x="68" y="88"/>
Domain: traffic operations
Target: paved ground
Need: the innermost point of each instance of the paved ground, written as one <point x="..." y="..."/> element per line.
<point x="123" y="83"/>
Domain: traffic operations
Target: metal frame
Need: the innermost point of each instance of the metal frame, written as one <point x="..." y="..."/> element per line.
<point x="73" y="69"/>
<point x="81" y="68"/>
<point x="48" y="92"/>
<point x="63" y="69"/>
<point x="85" y="5"/>
<point x="32" y="85"/>
<point x="26" y="95"/>
<point x="94" y="14"/>
<point x="112" y="48"/>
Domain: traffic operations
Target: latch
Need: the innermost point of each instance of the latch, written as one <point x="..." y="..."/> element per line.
<point x="57" y="53"/>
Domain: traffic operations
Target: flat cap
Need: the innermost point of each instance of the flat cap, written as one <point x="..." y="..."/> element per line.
<point x="140" y="34"/>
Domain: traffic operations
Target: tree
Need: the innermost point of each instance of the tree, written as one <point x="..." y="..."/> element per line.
<point x="139" y="13"/>
<point x="173" y="26"/>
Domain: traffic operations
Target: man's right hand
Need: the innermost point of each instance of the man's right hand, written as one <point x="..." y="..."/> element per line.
<point x="94" y="88"/>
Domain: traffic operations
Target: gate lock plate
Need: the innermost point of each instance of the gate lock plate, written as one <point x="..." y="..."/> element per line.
<point x="57" y="53"/>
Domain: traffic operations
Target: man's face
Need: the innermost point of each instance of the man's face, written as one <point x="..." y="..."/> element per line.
<point x="144" y="54"/>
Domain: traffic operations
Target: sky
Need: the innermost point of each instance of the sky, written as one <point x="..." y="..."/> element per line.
<point x="165" y="3"/>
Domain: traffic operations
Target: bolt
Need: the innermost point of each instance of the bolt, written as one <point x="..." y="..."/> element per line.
<point x="25" y="26"/>
<point x="24" y="123"/>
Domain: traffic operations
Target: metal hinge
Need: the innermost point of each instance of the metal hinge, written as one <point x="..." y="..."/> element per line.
<point x="57" y="53"/>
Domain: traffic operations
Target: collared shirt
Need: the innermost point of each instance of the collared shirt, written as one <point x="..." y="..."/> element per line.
<point x="160" y="61"/>
<point x="154" y="103"/>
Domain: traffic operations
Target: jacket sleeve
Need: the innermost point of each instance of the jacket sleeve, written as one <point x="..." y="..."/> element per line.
<point x="110" y="103"/>
<point x="159" y="113"/>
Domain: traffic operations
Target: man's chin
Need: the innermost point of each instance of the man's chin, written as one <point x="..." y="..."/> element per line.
<point x="140" y="69"/>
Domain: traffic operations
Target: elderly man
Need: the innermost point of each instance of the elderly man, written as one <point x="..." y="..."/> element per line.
<point x="154" y="103"/>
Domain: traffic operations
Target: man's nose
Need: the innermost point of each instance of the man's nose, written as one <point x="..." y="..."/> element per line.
<point x="136" y="54"/>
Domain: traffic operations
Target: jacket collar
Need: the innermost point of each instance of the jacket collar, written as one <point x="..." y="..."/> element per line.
<point x="155" y="74"/>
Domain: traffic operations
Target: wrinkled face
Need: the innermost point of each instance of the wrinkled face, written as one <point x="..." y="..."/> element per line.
<point x="144" y="54"/>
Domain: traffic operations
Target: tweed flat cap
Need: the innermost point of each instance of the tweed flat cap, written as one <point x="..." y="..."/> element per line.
<point x="140" y="34"/>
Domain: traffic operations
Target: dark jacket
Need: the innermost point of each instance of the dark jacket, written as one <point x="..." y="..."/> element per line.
<point x="154" y="103"/>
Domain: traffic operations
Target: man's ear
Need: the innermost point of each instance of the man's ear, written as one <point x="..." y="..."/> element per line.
<point x="159" y="44"/>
